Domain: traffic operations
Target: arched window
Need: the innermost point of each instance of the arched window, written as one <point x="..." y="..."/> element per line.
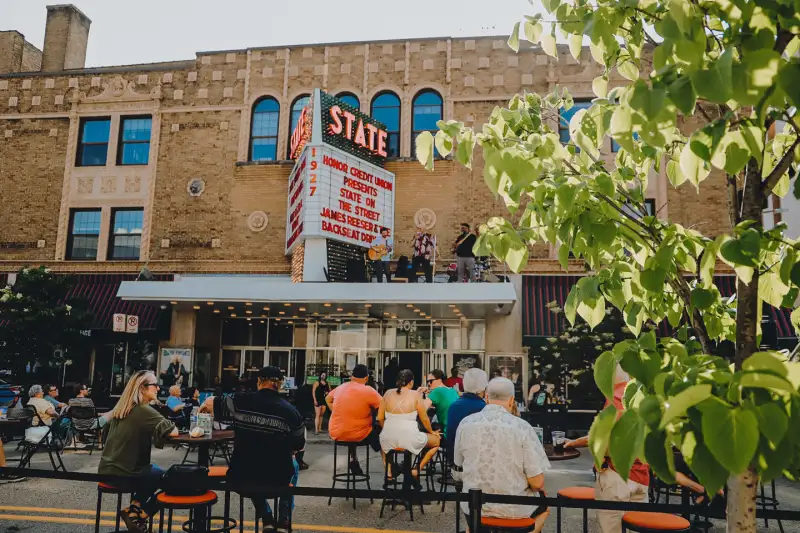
<point x="386" y="109"/>
<point x="426" y="111"/>
<point x="264" y="130"/>
<point x="349" y="99"/>
<point x="297" y="107"/>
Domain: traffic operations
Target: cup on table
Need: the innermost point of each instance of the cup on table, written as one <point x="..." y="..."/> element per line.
<point x="559" y="437"/>
<point x="539" y="433"/>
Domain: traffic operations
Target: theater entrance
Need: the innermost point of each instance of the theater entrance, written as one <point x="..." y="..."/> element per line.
<point x="411" y="361"/>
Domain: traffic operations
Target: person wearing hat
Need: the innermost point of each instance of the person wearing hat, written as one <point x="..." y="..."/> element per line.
<point x="269" y="432"/>
<point x="353" y="407"/>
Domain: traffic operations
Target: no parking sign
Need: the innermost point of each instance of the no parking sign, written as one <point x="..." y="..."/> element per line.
<point x="126" y="323"/>
<point x="132" y="325"/>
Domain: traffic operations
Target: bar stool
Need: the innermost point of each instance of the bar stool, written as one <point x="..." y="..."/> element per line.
<point x="507" y="525"/>
<point x="258" y="517"/>
<point x="348" y="477"/>
<point x="199" y="508"/>
<point x="105" y="488"/>
<point x="642" y="522"/>
<point x="222" y="472"/>
<point x="575" y="493"/>
<point x="393" y="485"/>
<point x="764" y="501"/>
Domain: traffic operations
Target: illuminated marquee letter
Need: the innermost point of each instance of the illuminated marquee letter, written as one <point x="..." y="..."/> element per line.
<point x="360" y="139"/>
<point x="372" y="130"/>
<point x="336" y="116"/>
<point x="348" y="116"/>
<point x="382" y="143"/>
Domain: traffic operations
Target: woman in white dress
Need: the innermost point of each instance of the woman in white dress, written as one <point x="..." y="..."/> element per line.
<point x="398" y="418"/>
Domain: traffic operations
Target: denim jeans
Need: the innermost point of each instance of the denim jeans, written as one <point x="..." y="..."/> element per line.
<point x="145" y="493"/>
<point x="285" y="503"/>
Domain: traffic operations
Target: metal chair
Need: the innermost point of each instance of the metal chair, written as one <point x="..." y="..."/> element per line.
<point x="49" y="440"/>
<point x="81" y="416"/>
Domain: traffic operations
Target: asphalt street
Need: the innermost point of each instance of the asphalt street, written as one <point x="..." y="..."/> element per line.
<point x="54" y="506"/>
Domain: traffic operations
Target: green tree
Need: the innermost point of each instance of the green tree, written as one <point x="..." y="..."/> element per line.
<point x="731" y="69"/>
<point x="36" y="318"/>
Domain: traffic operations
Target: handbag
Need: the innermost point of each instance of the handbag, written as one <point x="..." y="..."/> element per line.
<point x="185" y="480"/>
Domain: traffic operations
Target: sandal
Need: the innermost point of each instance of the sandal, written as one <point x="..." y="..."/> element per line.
<point x="135" y="518"/>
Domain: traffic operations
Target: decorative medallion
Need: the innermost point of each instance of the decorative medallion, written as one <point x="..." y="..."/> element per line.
<point x="257" y="221"/>
<point x="425" y="218"/>
<point x="85" y="185"/>
<point x="108" y="185"/>
<point x="133" y="184"/>
<point x="196" y="187"/>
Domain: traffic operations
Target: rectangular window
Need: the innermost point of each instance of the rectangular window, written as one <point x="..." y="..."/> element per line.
<point x="84" y="231"/>
<point x="126" y="234"/>
<point x="93" y="142"/>
<point x="565" y="116"/>
<point x="134" y="141"/>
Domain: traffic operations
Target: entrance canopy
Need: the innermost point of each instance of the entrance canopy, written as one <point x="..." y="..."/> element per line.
<point x="278" y="296"/>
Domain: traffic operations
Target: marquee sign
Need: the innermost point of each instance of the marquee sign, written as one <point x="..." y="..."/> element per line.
<point x="338" y="189"/>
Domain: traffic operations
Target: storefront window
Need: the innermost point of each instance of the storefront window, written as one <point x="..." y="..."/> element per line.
<point x="280" y="333"/>
<point x="374" y="335"/>
<point x="476" y="335"/>
<point x="324" y="335"/>
<point x="241" y="332"/>
<point x="414" y="335"/>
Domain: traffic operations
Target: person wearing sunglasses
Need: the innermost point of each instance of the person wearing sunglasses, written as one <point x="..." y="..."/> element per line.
<point x="52" y="397"/>
<point x="134" y="428"/>
<point x="441" y="396"/>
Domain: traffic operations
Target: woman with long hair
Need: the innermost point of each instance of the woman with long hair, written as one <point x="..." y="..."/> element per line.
<point x="133" y="429"/>
<point x="319" y="391"/>
<point x="398" y="418"/>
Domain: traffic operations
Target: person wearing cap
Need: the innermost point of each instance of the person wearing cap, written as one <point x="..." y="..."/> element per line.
<point x="472" y="401"/>
<point x="269" y="431"/>
<point x="353" y="407"/>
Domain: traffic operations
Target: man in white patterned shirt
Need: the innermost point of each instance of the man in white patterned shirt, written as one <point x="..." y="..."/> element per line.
<point x="500" y="453"/>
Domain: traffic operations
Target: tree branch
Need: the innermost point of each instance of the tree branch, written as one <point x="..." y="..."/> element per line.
<point x="780" y="169"/>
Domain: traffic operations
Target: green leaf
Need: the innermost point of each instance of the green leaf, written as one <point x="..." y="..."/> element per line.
<point x="772" y="422"/>
<point x="604" y="184"/>
<point x="675" y="174"/>
<point x="600" y="433"/>
<point x="708" y="263"/>
<point x="628" y="70"/>
<point x="703" y="298"/>
<point x="795" y="318"/>
<point x="715" y="83"/>
<point x="517" y="257"/>
<point x="731" y="435"/>
<point x="533" y="31"/>
<point x="770" y="463"/>
<point x="575" y="42"/>
<point x="771" y="288"/>
<point x="600" y="86"/>
<point x="592" y="312"/>
<point x="694" y="168"/>
<point x="605" y="368"/>
<point x="658" y="453"/>
<point x="789" y="79"/>
<point x="642" y="365"/>
<point x="758" y="380"/>
<point x="795" y="274"/>
<point x="626" y="442"/>
<point x="682" y="94"/>
<point x="443" y="143"/>
<point x="466" y="145"/>
<point x="548" y="43"/>
<point x="571" y="304"/>
<point x="766" y="361"/>
<point x="424" y="149"/>
<point x="709" y="471"/>
<point x="651" y="411"/>
<point x="653" y="280"/>
<point x="677" y="406"/>
<point x="648" y="100"/>
<point x="513" y="39"/>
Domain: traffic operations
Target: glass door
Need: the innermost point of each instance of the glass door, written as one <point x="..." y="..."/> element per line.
<point x="280" y="358"/>
<point x="254" y="360"/>
<point x="231" y="368"/>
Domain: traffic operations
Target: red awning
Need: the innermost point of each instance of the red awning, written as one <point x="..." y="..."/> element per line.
<point x="100" y="291"/>
<point x="539" y="291"/>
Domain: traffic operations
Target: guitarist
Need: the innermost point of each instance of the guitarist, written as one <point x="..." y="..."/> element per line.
<point x="381" y="265"/>
<point x="465" y="258"/>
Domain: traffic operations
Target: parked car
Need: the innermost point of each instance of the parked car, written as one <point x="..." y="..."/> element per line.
<point x="8" y="392"/>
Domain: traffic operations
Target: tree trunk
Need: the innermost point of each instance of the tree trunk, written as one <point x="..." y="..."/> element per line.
<point x="742" y="502"/>
<point x="742" y="488"/>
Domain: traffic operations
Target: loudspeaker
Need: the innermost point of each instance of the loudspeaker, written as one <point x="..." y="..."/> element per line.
<point x="356" y="271"/>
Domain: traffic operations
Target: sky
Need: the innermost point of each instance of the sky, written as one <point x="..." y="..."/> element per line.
<point x="142" y="31"/>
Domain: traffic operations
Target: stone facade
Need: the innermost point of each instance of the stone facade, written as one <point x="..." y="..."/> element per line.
<point x="201" y="119"/>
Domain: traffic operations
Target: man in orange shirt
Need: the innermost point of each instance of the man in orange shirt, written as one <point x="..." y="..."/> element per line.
<point x="610" y="486"/>
<point x="353" y="407"/>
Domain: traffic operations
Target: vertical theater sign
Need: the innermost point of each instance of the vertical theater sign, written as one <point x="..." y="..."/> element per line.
<point x="338" y="189"/>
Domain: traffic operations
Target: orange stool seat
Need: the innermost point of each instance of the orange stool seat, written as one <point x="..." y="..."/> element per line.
<point x="217" y="471"/>
<point x="577" y="493"/>
<point x="210" y="497"/>
<point x="507" y="523"/>
<point x="642" y="521"/>
<point x="106" y="486"/>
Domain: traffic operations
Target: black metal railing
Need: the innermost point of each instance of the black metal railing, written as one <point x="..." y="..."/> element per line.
<point x="474" y="498"/>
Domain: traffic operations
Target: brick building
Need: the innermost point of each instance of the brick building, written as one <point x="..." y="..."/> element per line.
<point x="182" y="167"/>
